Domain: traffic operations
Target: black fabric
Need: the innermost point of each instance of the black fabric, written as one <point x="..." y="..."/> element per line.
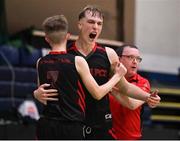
<point x="97" y="112"/>
<point x="97" y="134"/>
<point x="56" y="129"/>
<point x="59" y="71"/>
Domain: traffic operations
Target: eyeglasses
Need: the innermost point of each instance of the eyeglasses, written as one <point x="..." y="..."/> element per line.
<point x="131" y="58"/>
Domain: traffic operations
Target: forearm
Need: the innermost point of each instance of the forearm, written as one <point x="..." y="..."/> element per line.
<point x="104" y="89"/>
<point x="123" y="100"/>
<point x="137" y="93"/>
<point x="126" y="101"/>
<point x="132" y="91"/>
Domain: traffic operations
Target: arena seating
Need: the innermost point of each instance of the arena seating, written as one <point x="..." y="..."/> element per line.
<point x="167" y="114"/>
<point x="18" y="79"/>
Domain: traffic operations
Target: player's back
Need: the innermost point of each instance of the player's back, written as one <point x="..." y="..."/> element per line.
<point x="58" y="69"/>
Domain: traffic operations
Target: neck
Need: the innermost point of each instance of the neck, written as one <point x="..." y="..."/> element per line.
<point x="59" y="47"/>
<point x="129" y="76"/>
<point x="84" y="47"/>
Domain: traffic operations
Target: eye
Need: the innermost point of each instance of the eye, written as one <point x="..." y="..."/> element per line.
<point x="131" y="57"/>
<point x="100" y="23"/>
<point x="139" y="59"/>
<point x="91" y="22"/>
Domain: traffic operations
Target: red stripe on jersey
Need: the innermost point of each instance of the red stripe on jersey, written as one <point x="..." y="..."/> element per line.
<point x="81" y="94"/>
<point x="57" y="52"/>
<point x="101" y="48"/>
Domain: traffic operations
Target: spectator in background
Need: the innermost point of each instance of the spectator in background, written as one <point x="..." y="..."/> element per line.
<point x="126" y="111"/>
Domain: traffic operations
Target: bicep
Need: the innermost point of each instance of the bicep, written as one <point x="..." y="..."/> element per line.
<point x="87" y="78"/>
<point x="112" y="56"/>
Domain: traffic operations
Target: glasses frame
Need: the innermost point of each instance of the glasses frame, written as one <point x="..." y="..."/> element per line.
<point x="132" y="58"/>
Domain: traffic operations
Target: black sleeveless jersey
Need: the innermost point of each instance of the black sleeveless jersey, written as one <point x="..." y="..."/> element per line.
<point x="97" y="111"/>
<point x="58" y="69"/>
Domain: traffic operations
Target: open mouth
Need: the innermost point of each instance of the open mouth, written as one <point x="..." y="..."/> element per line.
<point x="133" y="68"/>
<point x="92" y="35"/>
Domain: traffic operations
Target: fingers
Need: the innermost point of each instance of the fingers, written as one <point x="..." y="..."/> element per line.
<point x="153" y="101"/>
<point x="153" y="104"/>
<point x="44" y="85"/>
<point x="50" y="91"/>
<point x="154" y="93"/>
<point x="50" y="94"/>
<point x="155" y="97"/>
<point x="50" y="99"/>
<point x="43" y="98"/>
<point x="43" y="95"/>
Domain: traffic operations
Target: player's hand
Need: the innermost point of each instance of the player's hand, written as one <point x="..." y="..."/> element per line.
<point x="43" y="95"/>
<point x="154" y="99"/>
<point x="120" y="69"/>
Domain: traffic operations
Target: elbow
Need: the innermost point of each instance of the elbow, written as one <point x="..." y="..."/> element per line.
<point x="98" y="97"/>
<point x="124" y="91"/>
<point x="131" y="107"/>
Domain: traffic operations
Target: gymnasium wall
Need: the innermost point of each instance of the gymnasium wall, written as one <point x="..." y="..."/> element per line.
<point x="22" y="14"/>
<point x="157" y="33"/>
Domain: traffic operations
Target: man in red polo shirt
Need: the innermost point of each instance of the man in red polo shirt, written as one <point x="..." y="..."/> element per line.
<point x="126" y="113"/>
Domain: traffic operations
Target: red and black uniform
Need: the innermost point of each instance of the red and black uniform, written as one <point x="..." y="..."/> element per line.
<point x="126" y="122"/>
<point x="98" y="115"/>
<point x="62" y="119"/>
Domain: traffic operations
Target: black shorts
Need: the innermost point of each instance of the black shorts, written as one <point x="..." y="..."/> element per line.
<point x="97" y="134"/>
<point x="52" y="129"/>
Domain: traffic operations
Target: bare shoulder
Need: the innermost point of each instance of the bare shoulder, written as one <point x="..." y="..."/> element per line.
<point x="109" y="50"/>
<point x="80" y="63"/>
<point x="79" y="59"/>
<point x="112" y="56"/>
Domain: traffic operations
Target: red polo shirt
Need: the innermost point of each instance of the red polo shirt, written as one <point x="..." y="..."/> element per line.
<point x="126" y="122"/>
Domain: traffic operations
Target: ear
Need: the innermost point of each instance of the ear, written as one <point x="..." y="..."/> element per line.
<point x="79" y="25"/>
<point x="68" y="36"/>
<point x="47" y="39"/>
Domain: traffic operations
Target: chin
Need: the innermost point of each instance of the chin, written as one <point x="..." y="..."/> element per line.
<point x="92" y="40"/>
<point x="131" y="74"/>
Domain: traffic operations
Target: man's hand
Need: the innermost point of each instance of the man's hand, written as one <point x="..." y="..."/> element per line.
<point x="43" y="95"/>
<point x="154" y="100"/>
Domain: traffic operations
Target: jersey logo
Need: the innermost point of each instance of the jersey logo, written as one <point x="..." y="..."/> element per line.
<point x="108" y="116"/>
<point x="52" y="77"/>
<point x="98" y="72"/>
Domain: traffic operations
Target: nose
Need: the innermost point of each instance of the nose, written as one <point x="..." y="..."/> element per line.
<point x="135" y="60"/>
<point x="95" y="25"/>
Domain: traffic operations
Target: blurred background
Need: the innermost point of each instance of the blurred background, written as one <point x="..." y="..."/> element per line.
<point x="152" y="25"/>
